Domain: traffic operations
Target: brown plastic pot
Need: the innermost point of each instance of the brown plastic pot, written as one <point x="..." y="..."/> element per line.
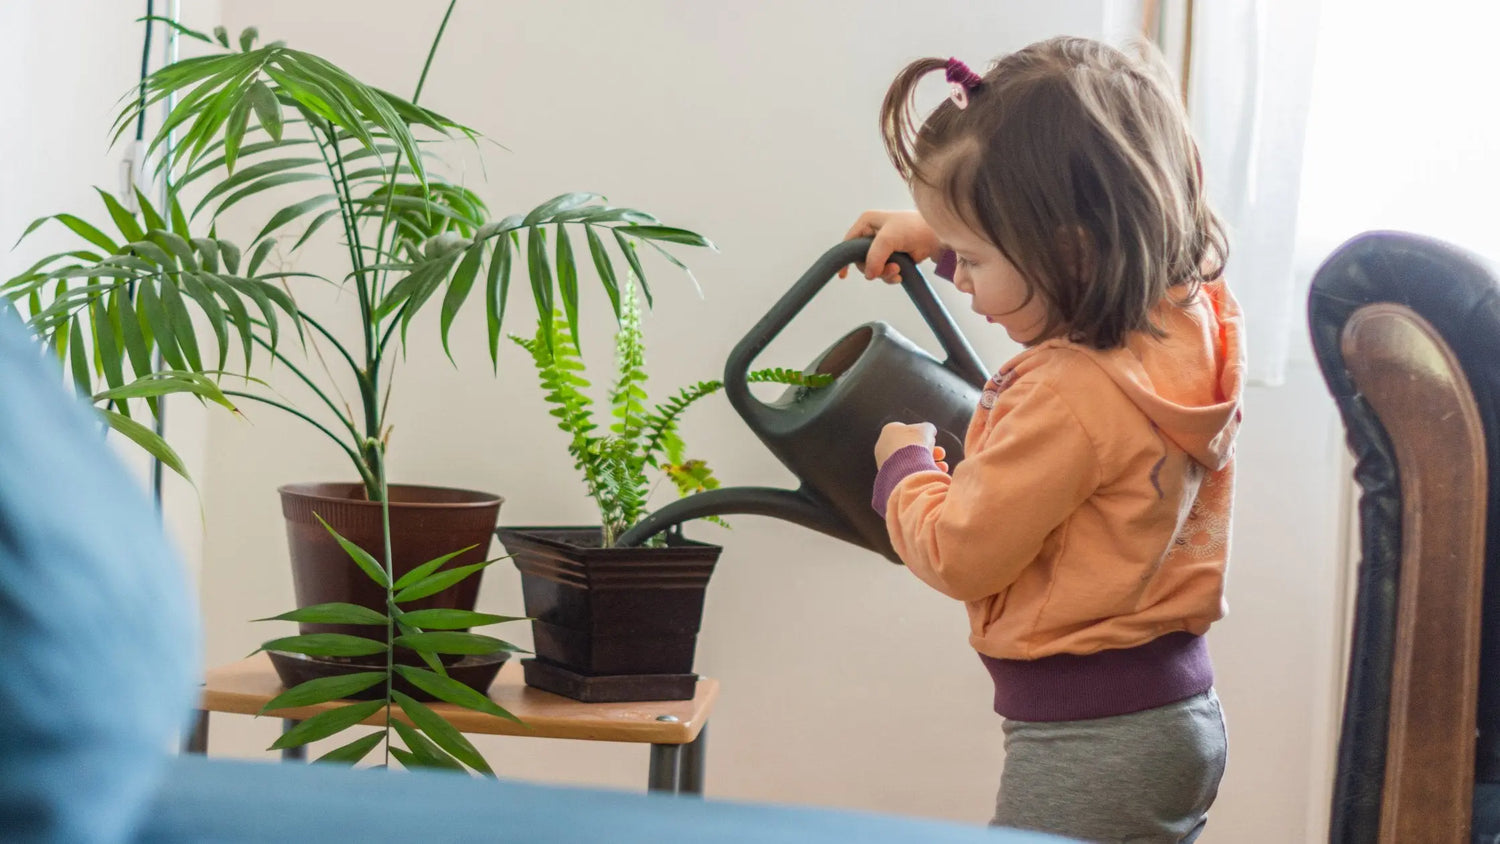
<point x="426" y="523"/>
<point x="611" y="612"/>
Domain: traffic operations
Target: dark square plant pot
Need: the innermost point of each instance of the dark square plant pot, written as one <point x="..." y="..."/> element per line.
<point x="612" y="612"/>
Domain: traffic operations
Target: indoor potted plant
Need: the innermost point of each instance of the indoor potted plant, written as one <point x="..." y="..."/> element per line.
<point x="612" y="623"/>
<point x="349" y="159"/>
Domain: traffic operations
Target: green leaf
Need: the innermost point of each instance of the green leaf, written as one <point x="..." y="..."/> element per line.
<point x="148" y="213"/>
<point x="124" y="220"/>
<point x="262" y="185"/>
<point x="423" y="753"/>
<point x="153" y="254"/>
<point x="567" y="281"/>
<point x="79" y="359"/>
<point x="259" y="256"/>
<point x="234" y="132"/>
<point x="408" y="760"/>
<point x="322" y="690"/>
<point x="558" y="205"/>
<point x="332" y="613"/>
<point x="130" y="330"/>
<point x="161" y="327"/>
<point x="257" y="295"/>
<point x="292" y="212"/>
<point x="450" y="690"/>
<point x="458" y="289"/>
<point x="167" y="383"/>
<point x="325" y="724"/>
<point x="354" y="751"/>
<point x="196" y="289"/>
<point x="428" y="568"/>
<point x="605" y="268"/>
<point x="255" y="171"/>
<point x="237" y="313"/>
<point x="247" y="150"/>
<point x="148" y="440"/>
<point x="361" y="557"/>
<point x="668" y="234"/>
<point x="80" y="228"/>
<point x="326" y="644"/>
<point x="443" y="733"/>
<point x="541" y="275"/>
<point x="191" y="33"/>
<point x="621" y="215"/>
<point x="635" y="263"/>
<point x="105" y="322"/>
<point x="247" y="38"/>
<point x="179" y="221"/>
<point x="180" y="322"/>
<point x="438" y="582"/>
<point x="497" y="290"/>
<point x="445" y="619"/>
<point x="316" y="224"/>
<point x="448" y="642"/>
<point x="221" y="35"/>
<point x="231" y="256"/>
<point x="208" y="253"/>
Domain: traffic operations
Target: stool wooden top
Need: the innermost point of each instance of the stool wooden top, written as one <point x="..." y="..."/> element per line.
<point x="244" y="687"/>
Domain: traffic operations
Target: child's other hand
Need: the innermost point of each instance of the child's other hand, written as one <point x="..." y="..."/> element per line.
<point x="894" y="231"/>
<point x="896" y="436"/>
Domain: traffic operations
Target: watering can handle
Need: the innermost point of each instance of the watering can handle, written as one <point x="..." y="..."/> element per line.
<point x="961" y="357"/>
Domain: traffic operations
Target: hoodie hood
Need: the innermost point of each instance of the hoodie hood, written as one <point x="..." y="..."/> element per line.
<point x="1190" y="382"/>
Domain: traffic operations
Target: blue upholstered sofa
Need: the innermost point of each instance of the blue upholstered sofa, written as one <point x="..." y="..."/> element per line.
<point x="99" y="658"/>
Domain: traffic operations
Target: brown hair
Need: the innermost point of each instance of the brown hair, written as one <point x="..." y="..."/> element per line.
<point x="1077" y="162"/>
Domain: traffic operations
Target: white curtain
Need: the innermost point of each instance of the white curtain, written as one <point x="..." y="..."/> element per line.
<point x="1249" y="93"/>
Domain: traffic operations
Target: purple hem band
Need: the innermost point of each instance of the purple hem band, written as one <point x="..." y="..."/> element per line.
<point x="907" y="460"/>
<point x="1069" y="687"/>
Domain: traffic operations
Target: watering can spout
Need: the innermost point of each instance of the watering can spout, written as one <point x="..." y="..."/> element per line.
<point x="826" y="436"/>
<point x="796" y="507"/>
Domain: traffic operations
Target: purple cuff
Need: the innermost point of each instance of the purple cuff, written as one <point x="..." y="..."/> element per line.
<point x="947" y="264"/>
<point x="1069" y="687"/>
<point x="907" y="460"/>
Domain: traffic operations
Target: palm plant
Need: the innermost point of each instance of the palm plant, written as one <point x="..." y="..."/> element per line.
<point x="339" y="152"/>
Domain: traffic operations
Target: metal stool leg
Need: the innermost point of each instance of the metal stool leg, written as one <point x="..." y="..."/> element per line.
<point x="292" y="754"/>
<point x="693" y="761"/>
<point x="666" y="761"/>
<point x="197" y="739"/>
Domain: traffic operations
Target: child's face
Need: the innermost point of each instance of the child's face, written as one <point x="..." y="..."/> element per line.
<point x="996" y="288"/>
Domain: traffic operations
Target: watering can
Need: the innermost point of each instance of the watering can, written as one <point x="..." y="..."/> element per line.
<point x="826" y="436"/>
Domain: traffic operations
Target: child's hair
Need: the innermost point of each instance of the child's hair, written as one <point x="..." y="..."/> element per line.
<point x="1077" y="162"/>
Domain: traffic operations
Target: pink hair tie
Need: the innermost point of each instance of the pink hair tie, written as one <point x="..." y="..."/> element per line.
<point x="961" y="80"/>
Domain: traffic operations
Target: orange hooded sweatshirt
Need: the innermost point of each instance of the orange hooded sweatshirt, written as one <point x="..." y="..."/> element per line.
<point x="1090" y="515"/>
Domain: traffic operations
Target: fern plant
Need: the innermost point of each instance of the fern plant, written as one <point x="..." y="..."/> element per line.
<point x="617" y="463"/>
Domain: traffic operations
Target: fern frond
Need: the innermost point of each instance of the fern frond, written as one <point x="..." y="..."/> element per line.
<point x="628" y="397"/>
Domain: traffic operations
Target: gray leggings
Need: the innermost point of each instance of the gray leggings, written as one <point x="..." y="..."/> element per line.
<point x="1141" y="778"/>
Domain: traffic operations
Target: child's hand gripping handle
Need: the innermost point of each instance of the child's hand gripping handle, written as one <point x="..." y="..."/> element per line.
<point x="961" y="357"/>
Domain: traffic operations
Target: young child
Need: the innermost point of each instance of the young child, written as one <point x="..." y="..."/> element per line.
<point x="1087" y="529"/>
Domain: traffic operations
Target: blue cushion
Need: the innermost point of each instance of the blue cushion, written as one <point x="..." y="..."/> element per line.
<point x="234" y="801"/>
<point x="99" y="632"/>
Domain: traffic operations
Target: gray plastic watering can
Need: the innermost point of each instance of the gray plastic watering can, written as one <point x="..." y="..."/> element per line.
<point x="826" y="436"/>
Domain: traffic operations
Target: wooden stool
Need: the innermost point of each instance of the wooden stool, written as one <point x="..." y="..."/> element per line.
<point x="676" y="730"/>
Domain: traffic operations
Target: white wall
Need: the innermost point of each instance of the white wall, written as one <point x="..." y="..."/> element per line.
<point x="846" y="682"/>
<point x="68" y="63"/>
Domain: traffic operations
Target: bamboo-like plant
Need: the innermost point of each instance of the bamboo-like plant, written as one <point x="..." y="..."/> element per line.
<point x="165" y="281"/>
<point x="617" y="466"/>
<point x="430" y="740"/>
